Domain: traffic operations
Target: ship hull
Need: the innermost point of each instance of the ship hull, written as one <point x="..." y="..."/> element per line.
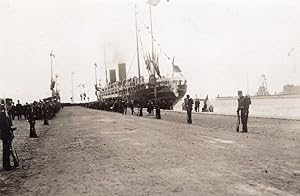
<point x="167" y="93"/>
<point x="167" y="97"/>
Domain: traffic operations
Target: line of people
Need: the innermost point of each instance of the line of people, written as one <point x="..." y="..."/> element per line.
<point x="121" y="105"/>
<point x="42" y="110"/>
<point x="207" y="107"/>
<point x="242" y="110"/>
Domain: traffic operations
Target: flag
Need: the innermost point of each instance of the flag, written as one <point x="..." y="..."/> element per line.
<point x="153" y="2"/>
<point x="206" y="99"/>
<point x="156" y="67"/>
<point x="52" y="85"/>
<point x="52" y="55"/>
<point x="147" y="62"/>
<point x="176" y="68"/>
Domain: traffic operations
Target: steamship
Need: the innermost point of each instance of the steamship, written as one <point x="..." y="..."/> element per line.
<point x="141" y="90"/>
<point x="168" y="91"/>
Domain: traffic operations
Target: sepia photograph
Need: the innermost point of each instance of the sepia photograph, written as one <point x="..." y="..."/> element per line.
<point x="149" y="97"/>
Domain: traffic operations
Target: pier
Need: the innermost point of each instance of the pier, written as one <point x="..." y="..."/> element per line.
<point x="92" y="152"/>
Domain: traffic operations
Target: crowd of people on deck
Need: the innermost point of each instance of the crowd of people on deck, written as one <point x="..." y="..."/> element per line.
<point x="42" y="110"/>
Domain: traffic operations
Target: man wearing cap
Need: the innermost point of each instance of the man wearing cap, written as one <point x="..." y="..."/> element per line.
<point x="243" y="107"/>
<point x="31" y="119"/>
<point x="6" y="135"/>
<point x="189" y="107"/>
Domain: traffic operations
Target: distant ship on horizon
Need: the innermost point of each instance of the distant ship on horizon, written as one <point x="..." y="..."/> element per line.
<point x="289" y="91"/>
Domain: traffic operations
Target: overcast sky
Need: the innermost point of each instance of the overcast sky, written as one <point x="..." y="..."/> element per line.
<point x="217" y="43"/>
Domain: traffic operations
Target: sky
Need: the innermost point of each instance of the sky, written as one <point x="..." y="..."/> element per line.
<point x="221" y="46"/>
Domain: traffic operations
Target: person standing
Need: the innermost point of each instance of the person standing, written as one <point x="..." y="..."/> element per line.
<point x="12" y="112"/>
<point x="157" y="109"/>
<point x="131" y="105"/>
<point x="243" y="110"/>
<point x="19" y="110"/>
<point x="6" y="136"/>
<point x="124" y="104"/>
<point x="189" y="107"/>
<point x="31" y="119"/>
<point x="45" y="113"/>
<point x="197" y="105"/>
<point x="140" y="108"/>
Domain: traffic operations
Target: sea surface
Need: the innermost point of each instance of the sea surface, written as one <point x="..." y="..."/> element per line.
<point x="286" y="108"/>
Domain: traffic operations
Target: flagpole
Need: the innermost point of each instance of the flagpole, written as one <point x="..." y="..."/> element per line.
<point x="56" y="76"/>
<point x="51" y="64"/>
<point x="173" y="67"/>
<point x="151" y="28"/>
<point x="72" y="82"/>
<point x="153" y="72"/>
<point x="105" y="67"/>
<point x="96" y="74"/>
<point x="51" y="56"/>
<point x="137" y="45"/>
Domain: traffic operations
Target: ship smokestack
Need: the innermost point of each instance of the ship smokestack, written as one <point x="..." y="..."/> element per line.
<point x="112" y="76"/>
<point x="122" y="71"/>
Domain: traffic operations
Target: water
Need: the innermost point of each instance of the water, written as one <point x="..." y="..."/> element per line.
<point x="271" y="108"/>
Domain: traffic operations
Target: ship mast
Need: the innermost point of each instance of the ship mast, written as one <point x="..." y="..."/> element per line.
<point x="137" y="45"/>
<point x="153" y="70"/>
<point x="151" y="29"/>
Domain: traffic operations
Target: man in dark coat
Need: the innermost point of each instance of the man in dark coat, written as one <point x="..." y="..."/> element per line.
<point x="189" y="107"/>
<point x="31" y="119"/>
<point x="45" y="113"/>
<point x="19" y="110"/>
<point x="12" y="112"/>
<point x="243" y="109"/>
<point x="157" y="109"/>
<point x="197" y="105"/>
<point x="132" y="107"/>
<point x="140" y="113"/>
<point x="6" y="136"/>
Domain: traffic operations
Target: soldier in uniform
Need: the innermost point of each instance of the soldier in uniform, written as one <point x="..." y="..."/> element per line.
<point x="140" y="108"/>
<point x="19" y="110"/>
<point x="243" y="109"/>
<point x="131" y="105"/>
<point x="6" y="135"/>
<point x="12" y="112"/>
<point x="197" y="105"/>
<point x="189" y="107"/>
<point x="31" y="119"/>
<point x="124" y="105"/>
<point x="157" y="109"/>
<point x="45" y="113"/>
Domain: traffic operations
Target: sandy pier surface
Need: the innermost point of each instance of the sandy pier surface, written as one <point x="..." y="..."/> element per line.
<point x="91" y="152"/>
